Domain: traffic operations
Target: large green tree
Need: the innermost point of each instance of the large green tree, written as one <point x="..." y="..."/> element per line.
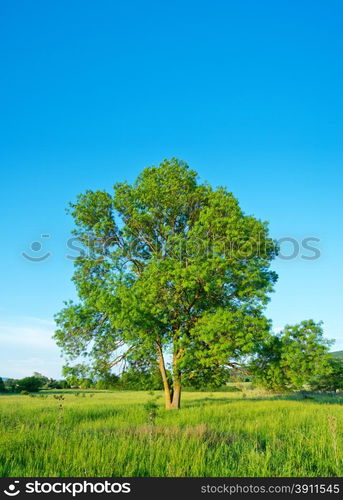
<point x="173" y="273"/>
<point x="331" y="380"/>
<point x="293" y="358"/>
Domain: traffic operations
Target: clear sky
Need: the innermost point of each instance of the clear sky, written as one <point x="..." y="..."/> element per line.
<point x="249" y="93"/>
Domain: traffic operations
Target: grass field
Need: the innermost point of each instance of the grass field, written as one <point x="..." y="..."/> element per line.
<point x="219" y="434"/>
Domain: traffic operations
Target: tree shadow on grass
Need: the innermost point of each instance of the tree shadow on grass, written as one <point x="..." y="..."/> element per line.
<point x="209" y="401"/>
<point x="332" y="399"/>
<point x="70" y="391"/>
<point x="329" y="398"/>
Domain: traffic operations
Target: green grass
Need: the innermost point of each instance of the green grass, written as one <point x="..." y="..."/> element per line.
<point x="219" y="434"/>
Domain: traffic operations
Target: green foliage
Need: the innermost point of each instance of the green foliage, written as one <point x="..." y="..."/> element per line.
<point x="2" y="386"/>
<point x="10" y="384"/>
<point x="151" y="408"/>
<point x="110" y="381"/>
<point x="77" y="376"/>
<point x="30" y="384"/>
<point x="140" y="380"/>
<point x="207" y="378"/>
<point x="49" y="383"/>
<point x="171" y="269"/>
<point x="56" y="384"/>
<point x="33" y="384"/>
<point x="330" y="381"/>
<point x="292" y="358"/>
<point x="44" y="380"/>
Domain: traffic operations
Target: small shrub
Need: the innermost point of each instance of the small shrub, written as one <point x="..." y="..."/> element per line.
<point x="59" y="397"/>
<point x="151" y="409"/>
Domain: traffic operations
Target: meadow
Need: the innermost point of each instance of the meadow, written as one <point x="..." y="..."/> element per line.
<point x="214" y="434"/>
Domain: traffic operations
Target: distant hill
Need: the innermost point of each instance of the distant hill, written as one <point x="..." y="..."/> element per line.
<point x="337" y="354"/>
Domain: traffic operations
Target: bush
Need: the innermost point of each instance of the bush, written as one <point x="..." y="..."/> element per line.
<point x="11" y="385"/>
<point x="331" y="382"/>
<point x="86" y="383"/>
<point x="55" y="384"/>
<point x="30" y="384"/>
<point x="108" y="382"/>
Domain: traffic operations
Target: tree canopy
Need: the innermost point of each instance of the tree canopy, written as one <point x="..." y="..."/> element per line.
<point x="172" y="273"/>
<point x="296" y="356"/>
<point x="331" y="379"/>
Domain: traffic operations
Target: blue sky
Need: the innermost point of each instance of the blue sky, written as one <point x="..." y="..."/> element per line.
<point x="248" y="93"/>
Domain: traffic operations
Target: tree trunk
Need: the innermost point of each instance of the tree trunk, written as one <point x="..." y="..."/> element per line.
<point x="176" y="402"/>
<point x="176" y="399"/>
<point x="167" y="394"/>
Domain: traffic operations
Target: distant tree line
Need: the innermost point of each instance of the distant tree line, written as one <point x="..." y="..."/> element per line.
<point x="128" y="380"/>
<point x="32" y="384"/>
<point x="277" y="374"/>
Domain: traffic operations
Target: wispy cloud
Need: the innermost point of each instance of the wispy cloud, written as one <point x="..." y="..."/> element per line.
<point x="26" y="345"/>
<point x="26" y="336"/>
<point x="19" y="368"/>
